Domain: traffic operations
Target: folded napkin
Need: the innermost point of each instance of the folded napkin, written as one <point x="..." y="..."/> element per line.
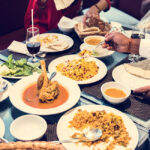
<point x="19" y="47"/>
<point x="62" y="4"/>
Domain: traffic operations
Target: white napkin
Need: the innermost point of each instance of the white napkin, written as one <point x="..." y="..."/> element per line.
<point x="19" y="47"/>
<point x="62" y="4"/>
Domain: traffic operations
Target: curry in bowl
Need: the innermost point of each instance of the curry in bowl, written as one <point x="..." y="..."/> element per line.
<point x="45" y="93"/>
<point x="93" y="40"/>
<point x="115" y="92"/>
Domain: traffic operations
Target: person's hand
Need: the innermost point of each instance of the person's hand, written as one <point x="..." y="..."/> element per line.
<point x="119" y="42"/>
<point x="93" y="12"/>
<point x="145" y="91"/>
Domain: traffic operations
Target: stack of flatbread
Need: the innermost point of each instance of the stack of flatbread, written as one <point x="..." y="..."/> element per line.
<point x="62" y="4"/>
<point x="84" y="31"/>
<point x="36" y="145"/>
<point x="140" y="69"/>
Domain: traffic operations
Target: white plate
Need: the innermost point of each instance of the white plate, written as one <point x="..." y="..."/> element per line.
<point x="5" y="94"/>
<point x="61" y="37"/>
<point x="2" y="128"/>
<point x="28" y="127"/>
<point x="19" y="77"/>
<point x="16" y="97"/>
<point x="80" y="18"/>
<point x="64" y="132"/>
<point x="103" y="51"/>
<point x="101" y="72"/>
<point x="119" y="74"/>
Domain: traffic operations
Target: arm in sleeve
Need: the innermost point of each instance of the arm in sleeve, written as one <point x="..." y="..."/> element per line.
<point x="144" y="49"/>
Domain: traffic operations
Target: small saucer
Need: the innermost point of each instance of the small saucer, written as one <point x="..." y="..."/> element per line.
<point x="104" y="52"/>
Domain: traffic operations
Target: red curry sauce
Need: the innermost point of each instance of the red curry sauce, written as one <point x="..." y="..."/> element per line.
<point x="30" y="97"/>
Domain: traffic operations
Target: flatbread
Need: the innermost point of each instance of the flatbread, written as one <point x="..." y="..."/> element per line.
<point x="62" y="4"/>
<point x="36" y="145"/>
<point x="140" y="69"/>
<point x="86" y="31"/>
<point x="59" y="45"/>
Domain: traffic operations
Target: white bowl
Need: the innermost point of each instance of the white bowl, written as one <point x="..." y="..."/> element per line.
<point x="28" y="127"/>
<point x="66" y="26"/>
<point x="116" y="85"/>
<point x="101" y="38"/>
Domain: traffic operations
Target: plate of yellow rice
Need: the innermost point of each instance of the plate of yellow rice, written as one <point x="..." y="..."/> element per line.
<point x="81" y="70"/>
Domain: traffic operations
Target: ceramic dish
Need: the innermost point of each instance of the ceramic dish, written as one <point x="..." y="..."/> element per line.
<point x="115" y="86"/>
<point x="102" y="69"/>
<point x="119" y="74"/>
<point x="60" y="37"/>
<point x="28" y="127"/>
<point x="16" y="98"/>
<point x="64" y="132"/>
<point x="103" y="52"/>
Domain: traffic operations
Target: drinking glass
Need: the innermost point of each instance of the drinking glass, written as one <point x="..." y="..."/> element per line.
<point x="136" y="34"/>
<point x="33" y="46"/>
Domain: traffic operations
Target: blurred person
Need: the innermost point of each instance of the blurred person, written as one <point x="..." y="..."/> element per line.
<point x="47" y="14"/>
<point x="120" y="43"/>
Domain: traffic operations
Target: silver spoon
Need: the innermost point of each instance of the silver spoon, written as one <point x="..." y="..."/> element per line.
<point x="89" y="134"/>
<point x="96" y="49"/>
<point x="52" y="75"/>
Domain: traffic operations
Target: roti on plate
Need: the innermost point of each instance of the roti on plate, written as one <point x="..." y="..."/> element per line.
<point x="140" y="69"/>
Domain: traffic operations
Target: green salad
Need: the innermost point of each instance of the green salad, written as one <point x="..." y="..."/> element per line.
<point x="21" y="67"/>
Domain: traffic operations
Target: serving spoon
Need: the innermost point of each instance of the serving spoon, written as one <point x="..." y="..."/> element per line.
<point x="89" y="134"/>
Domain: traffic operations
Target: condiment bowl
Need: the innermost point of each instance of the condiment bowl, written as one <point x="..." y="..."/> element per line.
<point x="114" y="88"/>
<point x="28" y="127"/>
<point x="66" y="26"/>
<point x="93" y="40"/>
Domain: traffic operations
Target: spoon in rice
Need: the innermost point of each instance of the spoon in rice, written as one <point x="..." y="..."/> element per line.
<point x="89" y="134"/>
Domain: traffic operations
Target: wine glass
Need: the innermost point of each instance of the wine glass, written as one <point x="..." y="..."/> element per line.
<point x="136" y="34"/>
<point x="33" y="46"/>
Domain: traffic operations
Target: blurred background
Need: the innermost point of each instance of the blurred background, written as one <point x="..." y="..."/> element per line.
<point x="12" y="16"/>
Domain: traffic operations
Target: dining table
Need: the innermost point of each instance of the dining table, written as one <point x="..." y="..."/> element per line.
<point x="90" y="94"/>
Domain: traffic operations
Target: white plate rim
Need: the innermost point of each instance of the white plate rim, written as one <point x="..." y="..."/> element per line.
<point x="100" y="75"/>
<point x="16" y="98"/>
<point x="108" y="54"/>
<point x="2" y="128"/>
<point x="18" y="77"/>
<point x="63" y="122"/>
<point x="63" y="36"/>
<point x="133" y="81"/>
